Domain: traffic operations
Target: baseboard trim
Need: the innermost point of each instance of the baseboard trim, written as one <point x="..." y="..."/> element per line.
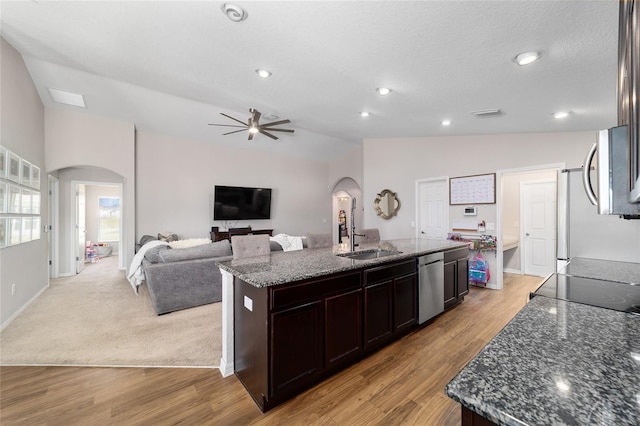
<point x="21" y="310"/>
<point x="226" y="369"/>
<point x="512" y="271"/>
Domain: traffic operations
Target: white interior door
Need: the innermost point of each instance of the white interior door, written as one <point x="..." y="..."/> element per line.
<point x="538" y="207"/>
<point x="433" y="209"/>
<point x="81" y="227"/>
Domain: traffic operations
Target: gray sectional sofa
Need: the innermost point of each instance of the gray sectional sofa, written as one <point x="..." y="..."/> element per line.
<point x="183" y="278"/>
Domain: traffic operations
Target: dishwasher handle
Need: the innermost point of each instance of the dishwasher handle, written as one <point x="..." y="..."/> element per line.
<point x="430" y="258"/>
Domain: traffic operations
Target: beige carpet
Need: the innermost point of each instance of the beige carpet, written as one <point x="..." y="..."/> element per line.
<point x="95" y="318"/>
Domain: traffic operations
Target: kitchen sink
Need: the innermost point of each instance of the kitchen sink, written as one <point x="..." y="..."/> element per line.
<point x="368" y="254"/>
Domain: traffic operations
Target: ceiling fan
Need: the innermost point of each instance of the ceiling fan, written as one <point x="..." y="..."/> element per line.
<point x="253" y="125"/>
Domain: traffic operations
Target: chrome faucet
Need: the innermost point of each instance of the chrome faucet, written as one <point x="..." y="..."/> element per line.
<point x="352" y="238"/>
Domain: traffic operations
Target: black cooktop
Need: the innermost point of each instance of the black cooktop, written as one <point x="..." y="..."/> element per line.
<point x="588" y="291"/>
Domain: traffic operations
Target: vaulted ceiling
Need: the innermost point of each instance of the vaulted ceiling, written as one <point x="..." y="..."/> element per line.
<point x="172" y="67"/>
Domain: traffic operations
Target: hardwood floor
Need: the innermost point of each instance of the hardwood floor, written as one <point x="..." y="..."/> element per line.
<point x="401" y="384"/>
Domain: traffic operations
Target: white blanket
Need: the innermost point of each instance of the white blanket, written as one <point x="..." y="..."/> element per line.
<point x="288" y="242"/>
<point x="136" y="273"/>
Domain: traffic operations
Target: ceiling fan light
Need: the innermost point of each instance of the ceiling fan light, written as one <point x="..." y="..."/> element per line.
<point x="446" y="122"/>
<point x="383" y="91"/>
<point x="263" y="73"/>
<point x="525" y="58"/>
<point x="364" y="114"/>
<point x="560" y="115"/>
<point x="253" y="130"/>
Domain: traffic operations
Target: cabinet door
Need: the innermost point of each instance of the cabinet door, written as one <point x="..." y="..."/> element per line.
<point x="343" y="328"/>
<point x="450" y="293"/>
<point x="405" y="312"/>
<point x="462" y="279"/>
<point x="296" y="346"/>
<point x="378" y="311"/>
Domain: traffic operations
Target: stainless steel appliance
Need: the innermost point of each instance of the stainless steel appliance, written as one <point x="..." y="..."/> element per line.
<point x="431" y="286"/>
<point x="629" y="86"/>
<point x="612" y="171"/>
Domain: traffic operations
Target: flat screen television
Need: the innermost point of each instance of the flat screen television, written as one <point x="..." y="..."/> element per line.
<point x="241" y="203"/>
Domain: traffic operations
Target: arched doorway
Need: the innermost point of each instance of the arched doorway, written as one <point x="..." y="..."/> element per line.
<point x="344" y="191"/>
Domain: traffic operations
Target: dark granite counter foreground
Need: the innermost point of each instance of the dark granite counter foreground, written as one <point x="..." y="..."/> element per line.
<point x="284" y="267"/>
<point x="622" y="272"/>
<point x="557" y="363"/>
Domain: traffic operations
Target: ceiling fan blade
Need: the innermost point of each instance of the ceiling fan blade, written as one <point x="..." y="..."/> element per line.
<point x="275" y="123"/>
<point x="268" y="134"/>
<point x="280" y="130"/>
<point x="235" y="131"/>
<point x="250" y="138"/>
<point x="234" y="119"/>
<point x="226" y="125"/>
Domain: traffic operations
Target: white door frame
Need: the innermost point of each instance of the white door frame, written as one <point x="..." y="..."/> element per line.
<point x="73" y="187"/>
<point x="499" y="174"/>
<point x="419" y="182"/>
<point x="52" y="226"/>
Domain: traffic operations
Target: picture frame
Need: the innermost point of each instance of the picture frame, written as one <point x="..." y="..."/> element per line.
<point x="14" y="231"/>
<point x="35" y="176"/>
<point x="25" y="202"/>
<point x="25" y="172"/>
<point x="3" y="162"/>
<point x="35" y="228"/>
<point x="474" y="189"/>
<point x="13" y="167"/>
<point x="27" y="223"/>
<point x="14" y="199"/>
<point x="35" y="202"/>
<point x="3" y="197"/>
<point x="3" y="231"/>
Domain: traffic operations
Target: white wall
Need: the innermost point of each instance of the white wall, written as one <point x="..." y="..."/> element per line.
<point x="397" y="163"/>
<point x="22" y="131"/>
<point x="175" y="180"/>
<point x="76" y="139"/>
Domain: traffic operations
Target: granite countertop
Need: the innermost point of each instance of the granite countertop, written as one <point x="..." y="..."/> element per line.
<point x="285" y="267"/>
<point x="557" y="362"/>
<point x="623" y="272"/>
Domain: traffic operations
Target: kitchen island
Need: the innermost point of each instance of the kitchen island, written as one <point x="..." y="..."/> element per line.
<point x="300" y="316"/>
<point x="559" y="361"/>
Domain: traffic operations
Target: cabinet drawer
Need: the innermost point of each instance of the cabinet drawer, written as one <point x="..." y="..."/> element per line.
<point x="306" y="291"/>
<point x="456" y="254"/>
<point x="388" y="272"/>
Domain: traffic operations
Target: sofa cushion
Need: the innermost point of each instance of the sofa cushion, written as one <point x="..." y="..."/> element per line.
<point x="217" y="249"/>
<point x="153" y="254"/>
<point x="146" y="238"/>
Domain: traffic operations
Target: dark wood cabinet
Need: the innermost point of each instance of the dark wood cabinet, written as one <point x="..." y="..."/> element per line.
<point x="456" y="276"/>
<point x="289" y="337"/>
<point x="390" y="302"/>
<point x="224" y="235"/>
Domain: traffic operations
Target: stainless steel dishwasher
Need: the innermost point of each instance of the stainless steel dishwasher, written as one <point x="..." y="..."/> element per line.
<point x="431" y="286"/>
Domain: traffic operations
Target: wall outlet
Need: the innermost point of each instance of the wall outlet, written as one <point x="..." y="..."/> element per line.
<point x="13" y="289"/>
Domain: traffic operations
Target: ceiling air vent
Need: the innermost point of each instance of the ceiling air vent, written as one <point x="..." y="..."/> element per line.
<point x="488" y="113"/>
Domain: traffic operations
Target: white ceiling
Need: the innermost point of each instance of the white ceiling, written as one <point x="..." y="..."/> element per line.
<point x="173" y="67"/>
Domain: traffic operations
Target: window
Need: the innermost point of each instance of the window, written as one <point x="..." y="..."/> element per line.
<point x="108" y="219"/>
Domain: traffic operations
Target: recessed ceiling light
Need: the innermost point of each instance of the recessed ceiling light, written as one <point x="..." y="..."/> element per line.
<point x="67" y="98"/>
<point x="263" y="73"/>
<point x="383" y="91"/>
<point x="525" y="58"/>
<point x="364" y="114"/>
<point x="560" y="114"/>
<point x="234" y="12"/>
<point x="446" y="122"/>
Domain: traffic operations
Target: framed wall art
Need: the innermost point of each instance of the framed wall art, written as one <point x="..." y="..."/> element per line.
<point x="3" y="162"/>
<point x="35" y="177"/>
<point x="13" y="167"/>
<point x="476" y="189"/>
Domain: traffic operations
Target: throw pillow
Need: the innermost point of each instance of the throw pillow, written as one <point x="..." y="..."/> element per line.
<point x="189" y="242"/>
<point x="167" y="237"/>
<point x="153" y="254"/>
<point x="146" y="238"/>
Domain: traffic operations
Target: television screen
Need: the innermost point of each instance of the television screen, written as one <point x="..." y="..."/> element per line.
<point x="241" y="203"/>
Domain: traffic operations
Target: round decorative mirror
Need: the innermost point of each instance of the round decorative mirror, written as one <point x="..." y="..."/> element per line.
<point x="386" y="204"/>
